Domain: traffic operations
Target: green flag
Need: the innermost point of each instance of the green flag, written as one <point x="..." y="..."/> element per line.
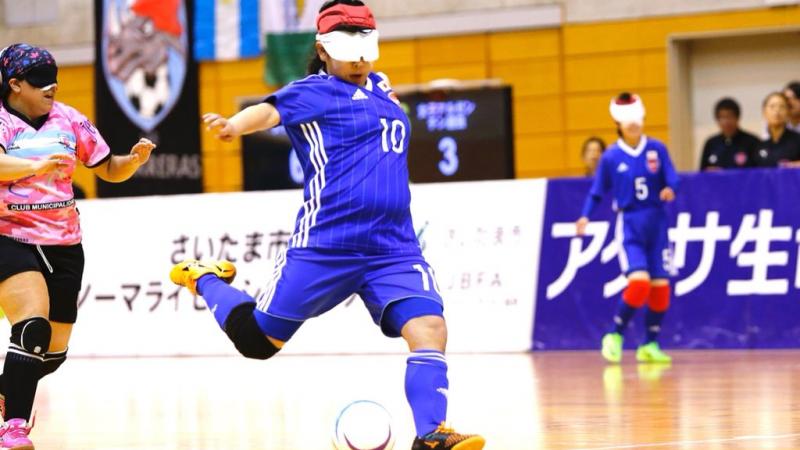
<point x="288" y="55"/>
<point x="290" y="27"/>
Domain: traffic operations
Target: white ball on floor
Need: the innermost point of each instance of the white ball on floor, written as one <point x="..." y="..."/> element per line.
<point x="363" y="425"/>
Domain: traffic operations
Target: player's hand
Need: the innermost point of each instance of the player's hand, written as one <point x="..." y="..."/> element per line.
<point x="667" y="194"/>
<point x="222" y="127"/>
<point x="140" y="152"/>
<point x="580" y="226"/>
<point x="52" y="163"/>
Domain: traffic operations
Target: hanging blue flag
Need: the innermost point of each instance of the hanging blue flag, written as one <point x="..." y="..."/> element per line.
<point x="227" y="29"/>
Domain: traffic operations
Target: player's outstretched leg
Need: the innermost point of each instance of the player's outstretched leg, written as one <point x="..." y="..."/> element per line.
<point x="633" y="298"/>
<point x="232" y="308"/>
<point x="421" y="324"/>
<point x="657" y="307"/>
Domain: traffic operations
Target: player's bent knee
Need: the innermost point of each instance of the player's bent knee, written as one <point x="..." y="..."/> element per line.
<point x="639" y="275"/>
<point x="247" y="336"/>
<point x="431" y="325"/>
<point x="413" y="315"/>
<point x="32" y="335"/>
<point x="660" y="297"/>
<point x="637" y="292"/>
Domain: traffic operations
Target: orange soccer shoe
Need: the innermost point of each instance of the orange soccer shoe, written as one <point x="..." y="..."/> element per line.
<point x="186" y="273"/>
<point x="443" y="438"/>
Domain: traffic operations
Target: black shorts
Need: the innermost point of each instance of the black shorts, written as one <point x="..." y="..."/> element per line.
<point x="61" y="265"/>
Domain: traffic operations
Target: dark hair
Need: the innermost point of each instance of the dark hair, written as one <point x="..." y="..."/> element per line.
<point x="774" y="94"/>
<point x="625" y="97"/>
<point x="4" y="79"/>
<point x="727" y="104"/>
<point x="591" y="140"/>
<point x="315" y="64"/>
<point x="793" y="86"/>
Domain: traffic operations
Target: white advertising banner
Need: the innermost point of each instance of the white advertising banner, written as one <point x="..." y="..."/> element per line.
<point x="482" y="239"/>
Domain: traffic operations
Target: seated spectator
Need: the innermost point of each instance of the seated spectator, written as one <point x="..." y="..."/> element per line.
<point x="782" y="147"/>
<point x="732" y="148"/>
<point x="792" y="92"/>
<point x="591" y="152"/>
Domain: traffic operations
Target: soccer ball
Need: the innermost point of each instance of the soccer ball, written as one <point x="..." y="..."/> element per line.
<point x="363" y="425"/>
<point x="148" y="92"/>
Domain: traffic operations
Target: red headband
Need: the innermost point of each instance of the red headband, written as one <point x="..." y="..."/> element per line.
<point x="357" y="16"/>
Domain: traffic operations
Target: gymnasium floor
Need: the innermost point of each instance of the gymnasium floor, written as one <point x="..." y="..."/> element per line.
<point x="706" y="400"/>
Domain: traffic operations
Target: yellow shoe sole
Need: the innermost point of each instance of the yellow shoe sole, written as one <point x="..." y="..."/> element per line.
<point x="473" y="443"/>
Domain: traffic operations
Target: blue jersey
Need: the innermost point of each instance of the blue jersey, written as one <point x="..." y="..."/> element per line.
<point x="352" y="142"/>
<point x="635" y="176"/>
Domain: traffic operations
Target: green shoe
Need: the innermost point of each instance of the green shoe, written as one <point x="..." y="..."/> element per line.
<point x="612" y="347"/>
<point x="651" y="352"/>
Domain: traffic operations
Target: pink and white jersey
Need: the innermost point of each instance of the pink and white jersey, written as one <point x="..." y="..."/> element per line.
<point x="41" y="209"/>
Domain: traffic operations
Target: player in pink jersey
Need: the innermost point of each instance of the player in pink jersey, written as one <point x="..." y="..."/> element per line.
<point x="41" y="258"/>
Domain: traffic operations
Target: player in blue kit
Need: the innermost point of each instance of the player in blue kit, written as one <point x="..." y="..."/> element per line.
<point x="354" y="232"/>
<point x="638" y="171"/>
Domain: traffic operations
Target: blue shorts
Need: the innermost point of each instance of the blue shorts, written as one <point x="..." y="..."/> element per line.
<point x="645" y="243"/>
<point x="308" y="282"/>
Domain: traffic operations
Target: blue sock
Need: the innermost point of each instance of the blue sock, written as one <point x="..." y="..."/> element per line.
<point x="426" y="389"/>
<point x="624" y="315"/>
<point x="652" y="321"/>
<point x="220" y="297"/>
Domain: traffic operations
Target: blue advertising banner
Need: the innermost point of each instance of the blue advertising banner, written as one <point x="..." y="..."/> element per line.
<point x="734" y="238"/>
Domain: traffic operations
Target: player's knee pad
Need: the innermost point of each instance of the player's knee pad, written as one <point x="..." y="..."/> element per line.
<point x="659" y="298"/>
<point x="246" y="335"/>
<point x="52" y="361"/>
<point x="32" y="335"/>
<point x="635" y="295"/>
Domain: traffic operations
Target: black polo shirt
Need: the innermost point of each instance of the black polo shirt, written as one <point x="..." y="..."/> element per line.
<point x="771" y="154"/>
<point x="730" y="153"/>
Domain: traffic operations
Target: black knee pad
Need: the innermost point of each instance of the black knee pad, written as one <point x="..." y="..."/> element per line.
<point x="247" y="337"/>
<point x="32" y="335"/>
<point x="52" y="361"/>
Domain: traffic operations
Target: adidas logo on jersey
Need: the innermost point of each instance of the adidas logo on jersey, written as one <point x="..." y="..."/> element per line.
<point x="622" y="167"/>
<point x="360" y="95"/>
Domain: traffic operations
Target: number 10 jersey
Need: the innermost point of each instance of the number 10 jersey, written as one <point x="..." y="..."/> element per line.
<point x="352" y="142"/>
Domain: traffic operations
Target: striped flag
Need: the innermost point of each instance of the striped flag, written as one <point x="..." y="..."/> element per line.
<point x="227" y="29"/>
<point x="284" y="30"/>
<point x="290" y="28"/>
